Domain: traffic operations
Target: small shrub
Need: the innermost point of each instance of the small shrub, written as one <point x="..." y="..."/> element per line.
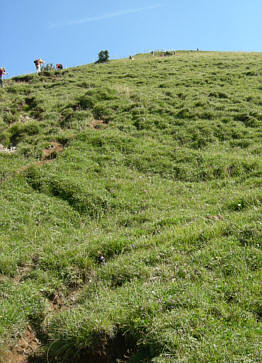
<point x="4" y="138"/>
<point x="103" y="56"/>
<point x="48" y="67"/>
<point x="19" y="130"/>
<point x="27" y="78"/>
<point x="33" y="177"/>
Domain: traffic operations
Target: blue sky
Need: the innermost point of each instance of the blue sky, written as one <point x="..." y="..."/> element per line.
<point x="73" y="32"/>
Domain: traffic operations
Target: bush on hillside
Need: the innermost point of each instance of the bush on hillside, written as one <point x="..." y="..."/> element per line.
<point x="26" y="78"/>
<point x="19" y="130"/>
<point x="103" y="56"/>
<point x="48" y="70"/>
<point x="48" y="67"/>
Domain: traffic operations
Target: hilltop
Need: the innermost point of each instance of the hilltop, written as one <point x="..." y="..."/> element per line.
<point x="131" y="211"/>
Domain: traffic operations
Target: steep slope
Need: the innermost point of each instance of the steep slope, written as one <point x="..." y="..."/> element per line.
<point x="131" y="211"/>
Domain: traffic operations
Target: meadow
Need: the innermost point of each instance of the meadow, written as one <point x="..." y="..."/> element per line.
<point x="130" y="224"/>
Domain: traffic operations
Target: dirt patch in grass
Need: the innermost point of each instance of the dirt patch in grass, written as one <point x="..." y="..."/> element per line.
<point x="56" y="302"/>
<point x="52" y="151"/>
<point x="26" y="347"/>
<point x="48" y="154"/>
<point x="22" y="273"/>
<point x="215" y="218"/>
<point x="98" y="124"/>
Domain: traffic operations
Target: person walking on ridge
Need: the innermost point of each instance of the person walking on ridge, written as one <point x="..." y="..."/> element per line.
<point x="2" y="72"/>
<point x="38" y="63"/>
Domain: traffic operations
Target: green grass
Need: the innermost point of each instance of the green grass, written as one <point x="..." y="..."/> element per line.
<point x="141" y="240"/>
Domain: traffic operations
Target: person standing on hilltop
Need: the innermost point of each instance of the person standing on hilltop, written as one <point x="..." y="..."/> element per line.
<point x="38" y="63"/>
<point x="2" y="72"/>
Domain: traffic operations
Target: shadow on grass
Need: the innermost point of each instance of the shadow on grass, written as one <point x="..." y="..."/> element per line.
<point x="121" y="348"/>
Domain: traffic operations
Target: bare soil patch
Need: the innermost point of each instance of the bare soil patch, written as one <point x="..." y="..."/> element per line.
<point x="26" y="347"/>
<point x="48" y="154"/>
<point x="52" y="151"/>
<point x="97" y="124"/>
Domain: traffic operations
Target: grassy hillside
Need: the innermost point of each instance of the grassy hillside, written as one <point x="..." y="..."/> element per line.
<point x="130" y="224"/>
